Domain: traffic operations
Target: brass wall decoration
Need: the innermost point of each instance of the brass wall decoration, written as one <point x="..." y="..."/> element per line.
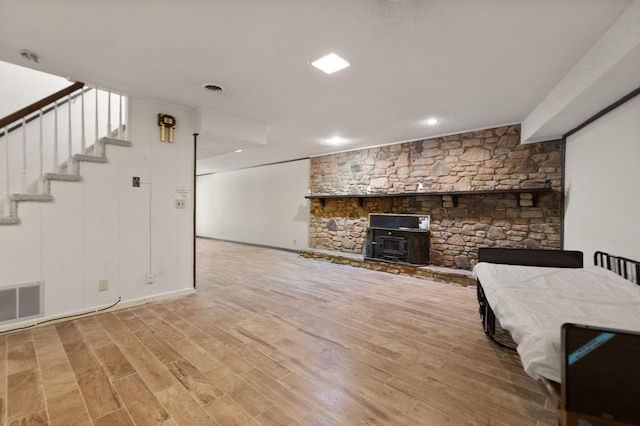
<point x="166" y="121"/>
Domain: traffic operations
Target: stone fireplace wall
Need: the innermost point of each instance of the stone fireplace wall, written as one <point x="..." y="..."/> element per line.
<point x="491" y="159"/>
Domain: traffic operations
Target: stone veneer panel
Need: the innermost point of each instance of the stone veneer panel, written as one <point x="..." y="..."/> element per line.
<point x="491" y="159"/>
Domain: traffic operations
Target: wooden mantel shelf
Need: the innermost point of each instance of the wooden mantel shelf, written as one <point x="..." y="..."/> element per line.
<point x="444" y="194"/>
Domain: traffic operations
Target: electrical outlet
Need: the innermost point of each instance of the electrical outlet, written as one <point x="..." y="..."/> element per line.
<point x="103" y="285"/>
<point x="136" y="182"/>
<point x="181" y="204"/>
<point x="295" y="242"/>
<point x="151" y="278"/>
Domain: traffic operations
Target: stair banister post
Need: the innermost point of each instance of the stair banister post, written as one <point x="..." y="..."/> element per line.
<point x="120" y="135"/>
<point x="56" y="161"/>
<point x="69" y="142"/>
<point x="40" y="159"/>
<point x="109" y="114"/>
<point x="24" y="155"/>
<point x="83" y="141"/>
<point x="95" y="142"/>
<point x="6" y="170"/>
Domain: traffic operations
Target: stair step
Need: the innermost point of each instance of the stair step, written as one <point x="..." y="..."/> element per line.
<point x="31" y="197"/>
<point x="89" y="158"/>
<point x="13" y="218"/>
<point x="63" y="177"/>
<point x="9" y="220"/>
<point x="112" y="141"/>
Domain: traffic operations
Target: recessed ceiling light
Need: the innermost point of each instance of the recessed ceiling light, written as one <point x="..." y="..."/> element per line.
<point x="432" y="121"/>
<point x="335" y="141"/>
<point x="330" y="63"/>
<point x="238" y="150"/>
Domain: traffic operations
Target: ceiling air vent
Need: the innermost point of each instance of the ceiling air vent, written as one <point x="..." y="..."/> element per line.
<point x="212" y="87"/>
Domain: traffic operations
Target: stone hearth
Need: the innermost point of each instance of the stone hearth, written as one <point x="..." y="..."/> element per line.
<point x="429" y="272"/>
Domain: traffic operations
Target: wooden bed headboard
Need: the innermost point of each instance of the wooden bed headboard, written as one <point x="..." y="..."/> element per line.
<point x="531" y="257"/>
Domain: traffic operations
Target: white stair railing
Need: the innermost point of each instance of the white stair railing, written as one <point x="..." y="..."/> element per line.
<point x="41" y="127"/>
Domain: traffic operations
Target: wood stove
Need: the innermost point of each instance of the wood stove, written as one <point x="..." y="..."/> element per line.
<point x="389" y="239"/>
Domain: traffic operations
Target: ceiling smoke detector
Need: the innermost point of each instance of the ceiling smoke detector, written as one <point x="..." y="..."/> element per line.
<point x="212" y="87"/>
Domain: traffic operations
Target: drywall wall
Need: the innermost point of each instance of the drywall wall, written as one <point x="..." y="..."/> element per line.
<point x="22" y="86"/>
<point x="261" y="205"/>
<point x="103" y="228"/>
<point x="602" y="196"/>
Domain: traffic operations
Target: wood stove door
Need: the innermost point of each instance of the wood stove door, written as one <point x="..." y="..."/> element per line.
<point x="391" y="247"/>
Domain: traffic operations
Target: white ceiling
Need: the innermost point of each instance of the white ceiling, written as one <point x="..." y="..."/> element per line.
<point x="471" y="63"/>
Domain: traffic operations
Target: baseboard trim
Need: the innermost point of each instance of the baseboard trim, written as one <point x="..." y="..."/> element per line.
<point x="82" y="313"/>
<point x="250" y="244"/>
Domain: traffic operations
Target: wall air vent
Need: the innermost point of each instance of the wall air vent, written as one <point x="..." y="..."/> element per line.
<point x="21" y="302"/>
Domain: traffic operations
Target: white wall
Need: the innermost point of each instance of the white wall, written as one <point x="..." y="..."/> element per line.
<point x="261" y="205"/>
<point x="603" y="185"/>
<point x="104" y="228"/>
<point x="22" y="86"/>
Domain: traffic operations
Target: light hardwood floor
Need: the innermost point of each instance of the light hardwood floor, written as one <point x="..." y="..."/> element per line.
<point x="272" y="338"/>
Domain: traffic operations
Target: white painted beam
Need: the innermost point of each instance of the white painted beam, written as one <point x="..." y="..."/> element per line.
<point x="609" y="70"/>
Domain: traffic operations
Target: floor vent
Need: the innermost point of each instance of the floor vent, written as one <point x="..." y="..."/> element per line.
<point x="21" y="302"/>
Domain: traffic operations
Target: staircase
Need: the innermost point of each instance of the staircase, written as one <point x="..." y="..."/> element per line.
<point x="27" y="154"/>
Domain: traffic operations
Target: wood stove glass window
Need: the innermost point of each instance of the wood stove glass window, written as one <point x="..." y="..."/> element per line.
<point x="391" y="246"/>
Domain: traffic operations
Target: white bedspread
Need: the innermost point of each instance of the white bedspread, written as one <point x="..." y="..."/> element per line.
<point x="533" y="302"/>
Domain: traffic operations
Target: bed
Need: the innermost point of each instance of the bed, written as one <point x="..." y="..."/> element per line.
<point x="533" y="292"/>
